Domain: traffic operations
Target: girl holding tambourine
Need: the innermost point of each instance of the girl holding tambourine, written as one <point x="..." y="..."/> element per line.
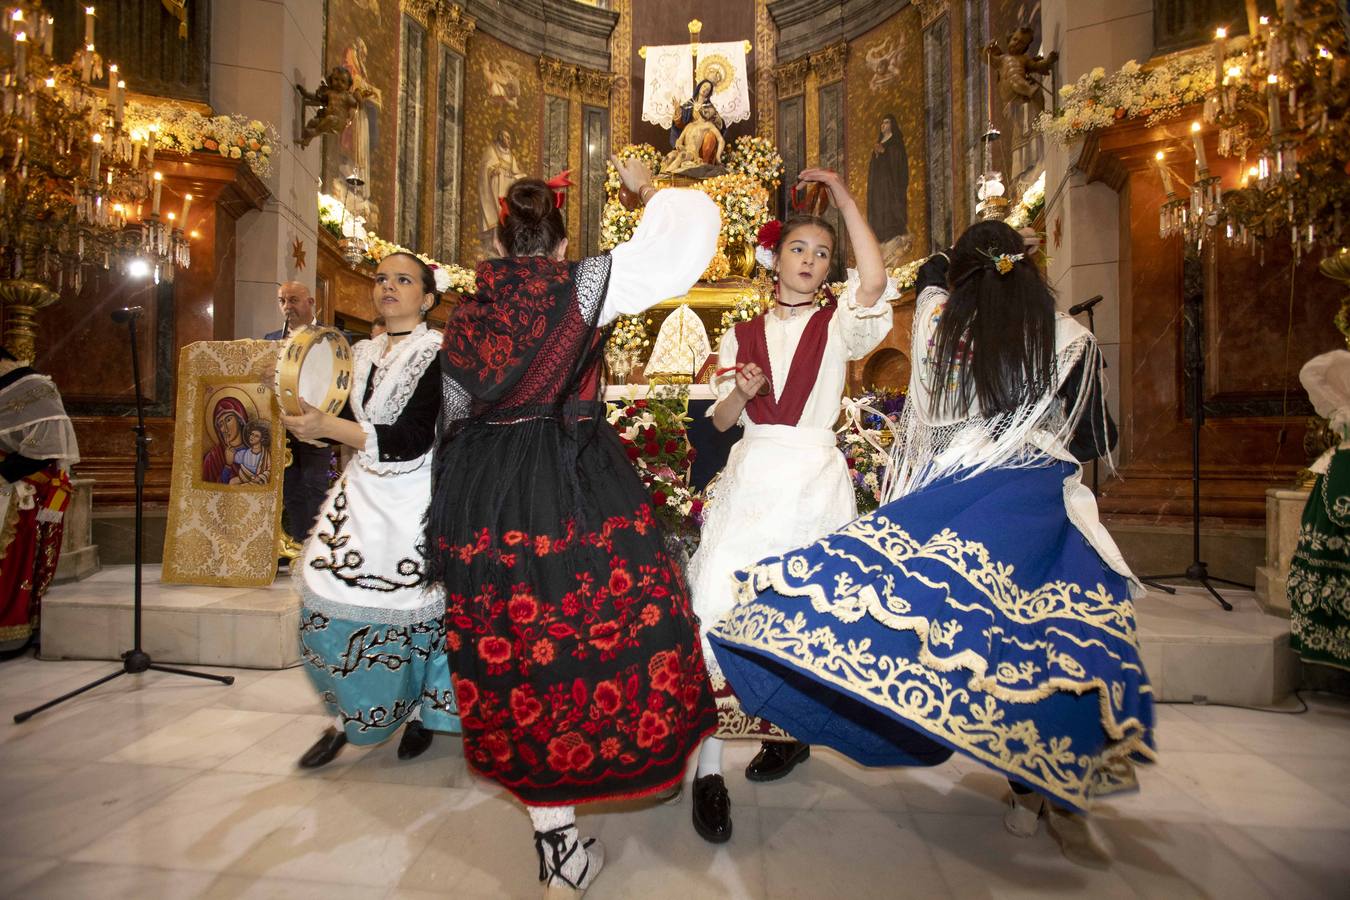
<point x="372" y="624"/>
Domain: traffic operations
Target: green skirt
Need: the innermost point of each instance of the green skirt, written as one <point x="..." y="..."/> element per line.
<point x="1319" y="574"/>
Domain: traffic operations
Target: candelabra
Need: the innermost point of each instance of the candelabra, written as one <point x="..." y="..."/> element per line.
<point x="1284" y="96"/>
<point x="73" y="178"/>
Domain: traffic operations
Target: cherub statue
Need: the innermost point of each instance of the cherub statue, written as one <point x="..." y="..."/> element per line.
<point x="1016" y="68"/>
<point x="338" y="101"/>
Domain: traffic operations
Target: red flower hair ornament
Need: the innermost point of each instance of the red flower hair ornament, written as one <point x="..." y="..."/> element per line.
<point x="558" y="184"/>
<point x="766" y="242"/>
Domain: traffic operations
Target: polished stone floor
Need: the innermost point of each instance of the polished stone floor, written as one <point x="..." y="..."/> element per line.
<point x="157" y="786"/>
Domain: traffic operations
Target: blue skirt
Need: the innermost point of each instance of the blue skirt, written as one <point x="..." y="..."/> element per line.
<point x="971" y="616"/>
<point x="375" y="675"/>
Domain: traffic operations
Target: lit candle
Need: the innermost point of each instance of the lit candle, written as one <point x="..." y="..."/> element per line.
<point x="150" y="144"/>
<point x="135" y="149"/>
<point x="187" y="207"/>
<point x="117" y="104"/>
<point x="1273" y="102"/>
<point x="95" y="157"/>
<point x="50" y="83"/>
<point x="1220" y="50"/>
<point x="154" y="202"/>
<point x="20" y="56"/>
<point x="171" y="220"/>
<point x="15" y="20"/>
<point x="47" y="36"/>
<point x="89" y="25"/>
<point x="1198" y="141"/>
<point x="1162" y="171"/>
<point x="87" y="63"/>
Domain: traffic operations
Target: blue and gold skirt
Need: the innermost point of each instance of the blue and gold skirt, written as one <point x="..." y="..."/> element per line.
<point x="970" y="616"/>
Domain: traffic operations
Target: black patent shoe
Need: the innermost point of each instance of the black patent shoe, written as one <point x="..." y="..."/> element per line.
<point x="324" y="749"/>
<point x="712" y="809"/>
<point x="776" y="759"/>
<point x="415" y="741"/>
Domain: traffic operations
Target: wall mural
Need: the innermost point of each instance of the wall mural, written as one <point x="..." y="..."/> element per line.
<point x="362" y="38"/>
<point x="501" y="136"/>
<point x="885" y="128"/>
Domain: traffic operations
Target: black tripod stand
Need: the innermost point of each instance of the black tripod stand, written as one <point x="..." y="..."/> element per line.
<point x="1193" y="322"/>
<point x="135" y="660"/>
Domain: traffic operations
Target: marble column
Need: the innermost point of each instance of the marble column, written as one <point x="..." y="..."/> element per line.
<point x="1083" y="227"/>
<point x="260" y="50"/>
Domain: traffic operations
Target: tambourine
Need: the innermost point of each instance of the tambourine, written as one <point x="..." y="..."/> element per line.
<point x="314" y="365"/>
<point x="810" y="197"/>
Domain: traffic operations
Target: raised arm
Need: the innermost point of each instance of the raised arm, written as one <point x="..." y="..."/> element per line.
<point x="669" y="250"/>
<point x="866" y="250"/>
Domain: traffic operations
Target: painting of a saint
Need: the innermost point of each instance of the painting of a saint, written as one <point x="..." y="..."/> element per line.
<point x="888" y="191"/>
<point x="236" y="441"/>
<point x="498" y="170"/>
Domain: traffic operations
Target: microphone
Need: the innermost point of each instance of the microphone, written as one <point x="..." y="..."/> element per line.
<point x="1077" y="308"/>
<point x="126" y="313"/>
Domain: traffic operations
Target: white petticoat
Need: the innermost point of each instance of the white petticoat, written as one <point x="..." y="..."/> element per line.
<point x="783" y="487"/>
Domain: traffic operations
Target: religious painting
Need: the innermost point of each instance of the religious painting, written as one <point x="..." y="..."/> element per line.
<point x="235" y="439"/>
<point x="502" y="135"/>
<point x="229" y="454"/>
<point x="364" y="36"/>
<point x="885" y="142"/>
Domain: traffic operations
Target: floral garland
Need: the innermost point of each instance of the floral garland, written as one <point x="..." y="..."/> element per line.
<point x="744" y="308"/>
<point x="742" y="199"/>
<point x="181" y="129"/>
<point x="333" y="215"/>
<point x="1098" y="100"/>
<point x="654" y="435"/>
<point x="1025" y="211"/>
<point x="757" y="158"/>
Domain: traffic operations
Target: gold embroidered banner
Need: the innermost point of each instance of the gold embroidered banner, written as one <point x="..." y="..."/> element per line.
<point x="229" y="455"/>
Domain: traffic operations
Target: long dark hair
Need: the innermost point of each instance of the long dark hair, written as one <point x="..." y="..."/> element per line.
<point x="996" y="336"/>
<point x="534" y="224"/>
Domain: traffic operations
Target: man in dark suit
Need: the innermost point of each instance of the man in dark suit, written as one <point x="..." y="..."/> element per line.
<point x="305" y="483"/>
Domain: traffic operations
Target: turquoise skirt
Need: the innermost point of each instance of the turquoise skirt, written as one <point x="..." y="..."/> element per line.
<point x="374" y="675"/>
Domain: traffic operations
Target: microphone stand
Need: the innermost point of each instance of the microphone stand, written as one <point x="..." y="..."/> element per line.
<point x="135" y="660"/>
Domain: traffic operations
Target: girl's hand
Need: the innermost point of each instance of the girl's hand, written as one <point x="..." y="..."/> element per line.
<point x="838" y="190"/>
<point x="309" y="425"/>
<point x="632" y="172"/>
<point x="750" y="380"/>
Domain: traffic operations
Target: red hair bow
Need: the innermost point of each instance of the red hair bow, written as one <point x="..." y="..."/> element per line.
<point x="501" y="209"/>
<point x="559" y="185"/>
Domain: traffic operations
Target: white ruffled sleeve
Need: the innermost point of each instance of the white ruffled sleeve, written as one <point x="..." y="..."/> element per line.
<point x="863" y="327"/>
<point x="725" y="383"/>
<point x="669" y="250"/>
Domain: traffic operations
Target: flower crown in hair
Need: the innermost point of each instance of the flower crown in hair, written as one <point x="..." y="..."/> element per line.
<point x="1002" y="262"/>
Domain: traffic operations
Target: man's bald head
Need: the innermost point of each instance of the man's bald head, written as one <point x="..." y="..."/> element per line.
<point x="296" y="302"/>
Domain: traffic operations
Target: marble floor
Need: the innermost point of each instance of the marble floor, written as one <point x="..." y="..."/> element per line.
<point x="158" y="786"/>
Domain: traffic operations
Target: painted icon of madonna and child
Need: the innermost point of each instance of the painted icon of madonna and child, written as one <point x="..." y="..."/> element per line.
<point x="237" y="440"/>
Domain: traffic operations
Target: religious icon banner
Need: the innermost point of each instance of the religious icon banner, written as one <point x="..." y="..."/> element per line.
<point x="228" y="460"/>
<point x="668" y="80"/>
<point x="724" y="65"/>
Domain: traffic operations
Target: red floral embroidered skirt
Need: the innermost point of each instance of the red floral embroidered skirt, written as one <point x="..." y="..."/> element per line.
<point x="577" y="661"/>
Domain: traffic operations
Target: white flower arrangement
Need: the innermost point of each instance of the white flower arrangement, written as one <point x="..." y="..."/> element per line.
<point x="334" y="218"/>
<point x="757" y="158"/>
<point x="1029" y="206"/>
<point x="744" y="308"/>
<point x="1098" y="100"/>
<point x="183" y="130"/>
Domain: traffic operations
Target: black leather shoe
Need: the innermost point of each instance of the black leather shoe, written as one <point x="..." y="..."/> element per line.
<point x="324" y="749"/>
<point x="712" y="809"/>
<point x="775" y="759"/>
<point x="414" y="742"/>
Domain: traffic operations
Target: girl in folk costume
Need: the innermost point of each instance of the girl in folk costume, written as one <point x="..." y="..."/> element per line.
<point x="785" y="482"/>
<point x="983" y="608"/>
<point x="577" y="663"/>
<point x="371" y="627"/>
<point x="37" y="449"/>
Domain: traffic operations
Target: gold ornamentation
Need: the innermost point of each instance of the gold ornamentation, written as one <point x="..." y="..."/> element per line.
<point x="829" y="63"/>
<point x="790" y="77"/>
<point x="421" y="10"/>
<point x="453" y="26"/>
<point x="595" y="87"/>
<point x="931" y="10"/>
<point x="558" y="77"/>
<point x="20" y="301"/>
<point x="732" y="722"/>
<point x="766" y="48"/>
<point x="1337" y="267"/>
<point x="218" y="534"/>
<point x="620" y="54"/>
